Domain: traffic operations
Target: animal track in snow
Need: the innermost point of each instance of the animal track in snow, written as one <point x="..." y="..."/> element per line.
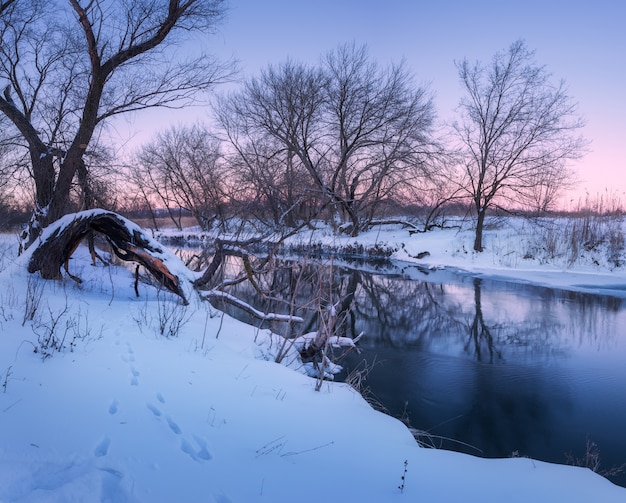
<point x="113" y="407"/>
<point x="112" y="489"/>
<point x="130" y="356"/>
<point x="203" y="453"/>
<point x="160" y="398"/>
<point x="198" y="455"/>
<point x="154" y="410"/>
<point x="102" y="448"/>
<point x="173" y="426"/>
<point x="134" y="381"/>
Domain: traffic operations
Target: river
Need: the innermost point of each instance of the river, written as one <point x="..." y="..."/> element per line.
<point x="479" y="365"/>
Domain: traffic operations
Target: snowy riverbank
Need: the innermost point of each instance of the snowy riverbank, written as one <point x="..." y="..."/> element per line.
<point x="516" y="250"/>
<point x="124" y="414"/>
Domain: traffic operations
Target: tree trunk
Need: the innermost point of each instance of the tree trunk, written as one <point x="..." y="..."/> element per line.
<point x="355" y="224"/>
<point x="52" y="192"/>
<point x="480" y="222"/>
<point x="44" y="177"/>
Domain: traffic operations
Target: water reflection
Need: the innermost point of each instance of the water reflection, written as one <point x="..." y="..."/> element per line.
<point x="499" y="366"/>
<point x="505" y="368"/>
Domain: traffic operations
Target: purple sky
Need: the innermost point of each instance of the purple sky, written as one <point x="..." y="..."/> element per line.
<point x="580" y="41"/>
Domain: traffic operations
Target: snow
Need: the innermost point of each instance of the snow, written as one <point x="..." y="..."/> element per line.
<point x="509" y="242"/>
<point x="124" y="414"/>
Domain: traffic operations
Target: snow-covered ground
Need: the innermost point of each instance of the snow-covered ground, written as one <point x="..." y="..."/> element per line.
<point x="123" y="413"/>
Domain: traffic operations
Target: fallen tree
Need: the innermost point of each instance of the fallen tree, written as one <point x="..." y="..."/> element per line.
<point x="129" y="242"/>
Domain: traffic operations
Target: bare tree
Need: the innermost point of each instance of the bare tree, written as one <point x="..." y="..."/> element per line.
<point x="183" y="169"/>
<point x="265" y="124"/>
<point x="272" y="185"/>
<point x="517" y="132"/>
<point x="357" y="130"/>
<point x="381" y="125"/>
<point x="70" y="69"/>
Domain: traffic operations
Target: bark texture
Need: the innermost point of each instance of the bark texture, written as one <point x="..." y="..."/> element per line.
<point x="128" y="242"/>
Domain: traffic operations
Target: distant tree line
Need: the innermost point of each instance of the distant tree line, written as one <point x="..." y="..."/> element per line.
<point x="347" y="141"/>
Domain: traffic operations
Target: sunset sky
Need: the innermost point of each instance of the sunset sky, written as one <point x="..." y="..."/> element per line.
<point x="580" y="41"/>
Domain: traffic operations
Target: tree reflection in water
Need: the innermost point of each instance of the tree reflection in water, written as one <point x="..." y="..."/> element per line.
<point x="503" y="367"/>
<point x="480" y="337"/>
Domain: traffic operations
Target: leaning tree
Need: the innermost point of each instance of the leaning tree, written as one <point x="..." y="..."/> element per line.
<point x="517" y="132"/>
<point x="68" y="67"/>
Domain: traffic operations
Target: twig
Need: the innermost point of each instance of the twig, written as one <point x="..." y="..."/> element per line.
<point x="307" y="450"/>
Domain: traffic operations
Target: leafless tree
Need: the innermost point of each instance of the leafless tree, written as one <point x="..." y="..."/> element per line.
<point x="182" y="168"/>
<point x="264" y="123"/>
<point x="359" y="131"/>
<point x="436" y="196"/>
<point x="517" y="132"/>
<point x="68" y="67"/>
<point x="382" y="124"/>
<point x="272" y="185"/>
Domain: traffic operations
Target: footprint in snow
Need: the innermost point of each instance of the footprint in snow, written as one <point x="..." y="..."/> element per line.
<point x="129" y="357"/>
<point x="102" y="448"/>
<point x="203" y="452"/>
<point x="200" y="454"/>
<point x="154" y="409"/>
<point x="112" y="488"/>
<point x="173" y="426"/>
<point x="113" y="407"/>
<point x="134" y="381"/>
<point x="160" y="398"/>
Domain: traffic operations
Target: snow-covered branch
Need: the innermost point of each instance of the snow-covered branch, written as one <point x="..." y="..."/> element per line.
<point x="234" y="301"/>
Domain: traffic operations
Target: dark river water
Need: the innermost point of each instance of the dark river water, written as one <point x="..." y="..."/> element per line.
<point x="482" y="366"/>
<point x="508" y="369"/>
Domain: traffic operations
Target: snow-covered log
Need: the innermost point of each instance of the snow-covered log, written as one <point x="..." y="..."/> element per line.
<point x="129" y="242"/>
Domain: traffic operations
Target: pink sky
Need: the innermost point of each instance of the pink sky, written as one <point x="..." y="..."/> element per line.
<point x="583" y="43"/>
